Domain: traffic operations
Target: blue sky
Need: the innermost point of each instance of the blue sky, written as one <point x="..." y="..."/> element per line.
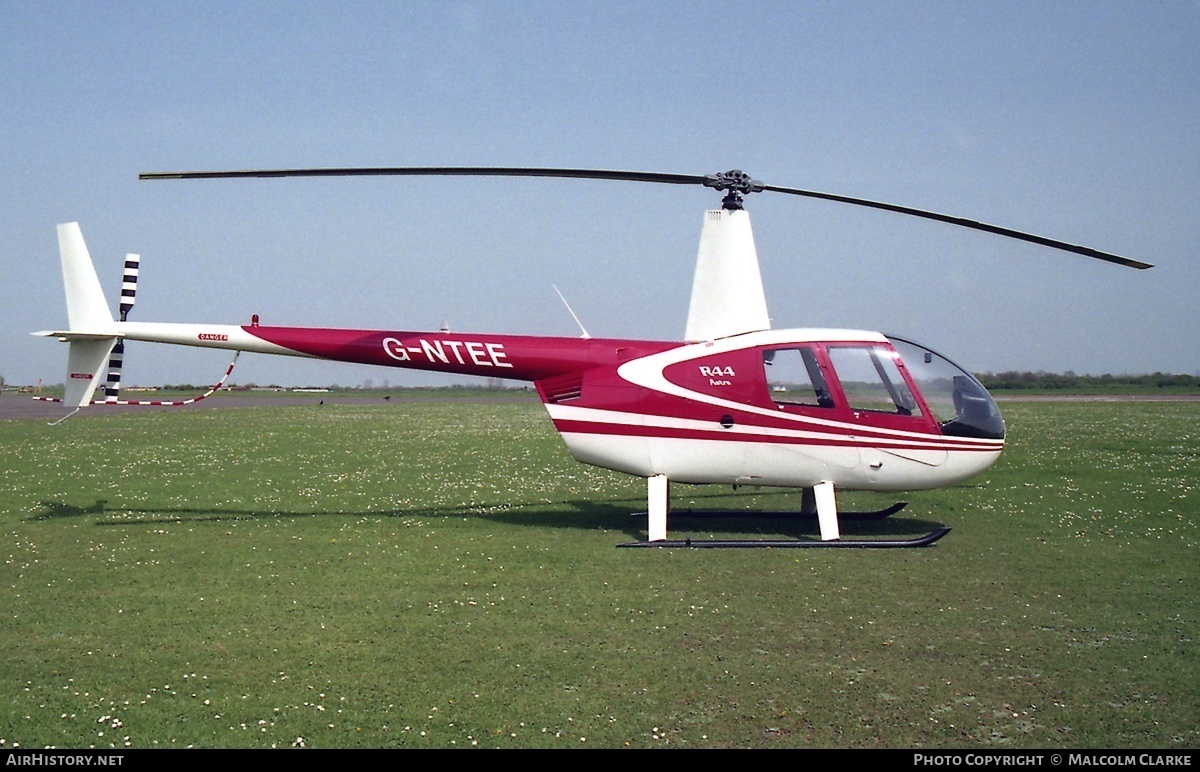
<point x="1077" y="121"/>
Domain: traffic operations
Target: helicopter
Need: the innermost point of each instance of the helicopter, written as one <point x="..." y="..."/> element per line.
<point x="734" y="402"/>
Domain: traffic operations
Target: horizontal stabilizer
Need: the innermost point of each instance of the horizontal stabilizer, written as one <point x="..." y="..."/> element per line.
<point x="67" y="335"/>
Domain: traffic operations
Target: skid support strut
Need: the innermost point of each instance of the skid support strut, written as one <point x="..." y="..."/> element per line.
<point x="826" y="511"/>
<point x="658" y="503"/>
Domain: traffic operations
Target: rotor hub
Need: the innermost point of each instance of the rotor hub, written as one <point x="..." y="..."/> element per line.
<point x="737" y="183"/>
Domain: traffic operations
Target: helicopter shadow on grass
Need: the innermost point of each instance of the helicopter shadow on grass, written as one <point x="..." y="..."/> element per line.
<point x="57" y="510"/>
<point x="621" y="514"/>
<point x="581" y="514"/>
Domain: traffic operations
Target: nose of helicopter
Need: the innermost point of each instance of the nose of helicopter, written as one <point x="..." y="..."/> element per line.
<point x="963" y="407"/>
<point x="975" y="412"/>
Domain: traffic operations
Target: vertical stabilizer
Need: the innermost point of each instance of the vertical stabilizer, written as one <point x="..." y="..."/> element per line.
<point x="727" y="292"/>
<point x="87" y="310"/>
<point x="87" y="314"/>
<point x="85" y="369"/>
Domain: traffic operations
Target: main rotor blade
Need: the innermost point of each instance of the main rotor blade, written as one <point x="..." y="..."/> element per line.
<point x="962" y="221"/>
<point x="734" y="181"/>
<point x="436" y="171"/>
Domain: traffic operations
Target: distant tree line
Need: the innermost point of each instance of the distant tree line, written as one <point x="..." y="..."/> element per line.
<point x="1069" y="381"/>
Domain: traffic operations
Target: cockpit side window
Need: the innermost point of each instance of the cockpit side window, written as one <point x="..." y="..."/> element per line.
<point x="794" y="378"/>
<point x="871" y="380"/>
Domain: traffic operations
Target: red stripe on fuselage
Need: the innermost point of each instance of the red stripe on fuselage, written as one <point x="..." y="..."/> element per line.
<point x="628" y="425"/>
<point x="679" y="433"/>
<point x="516" y="357"/>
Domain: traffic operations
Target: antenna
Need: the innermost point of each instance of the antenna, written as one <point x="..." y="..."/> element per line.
<point x="573" y="316"/>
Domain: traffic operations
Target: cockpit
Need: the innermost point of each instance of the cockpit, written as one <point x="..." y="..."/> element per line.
<point x="957" y="399"/>
<point x="902" y="386"/>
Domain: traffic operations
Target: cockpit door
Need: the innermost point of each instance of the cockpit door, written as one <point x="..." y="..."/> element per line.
<point x="887" y="410"/>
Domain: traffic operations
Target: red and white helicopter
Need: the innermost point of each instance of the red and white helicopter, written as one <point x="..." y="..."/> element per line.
<point x="735" y="402"/>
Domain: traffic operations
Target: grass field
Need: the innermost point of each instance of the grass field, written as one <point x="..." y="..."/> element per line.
<point x="432" y="574"/>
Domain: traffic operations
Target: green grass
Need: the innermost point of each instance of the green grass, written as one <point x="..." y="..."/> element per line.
<point x="433" y="574"/>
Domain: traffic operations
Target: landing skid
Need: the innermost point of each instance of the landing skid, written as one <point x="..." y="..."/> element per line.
<point x="817" y="502"/>
<point x="920" y="541"/>
<point x="877" y="514"/>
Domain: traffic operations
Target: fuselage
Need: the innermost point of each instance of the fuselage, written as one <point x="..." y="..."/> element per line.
<point x="777" y="408"/>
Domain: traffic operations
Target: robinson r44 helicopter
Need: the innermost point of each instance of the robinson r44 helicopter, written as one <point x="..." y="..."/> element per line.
<point x="735" y="402"/>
